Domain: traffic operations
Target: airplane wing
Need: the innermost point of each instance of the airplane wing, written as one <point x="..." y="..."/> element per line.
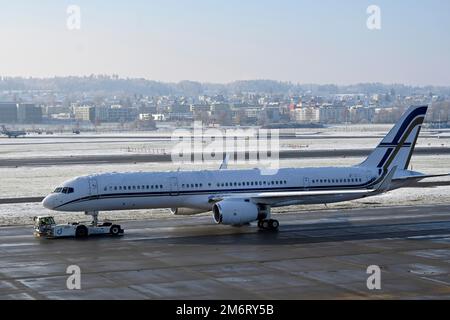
<point x="275" y="198"/>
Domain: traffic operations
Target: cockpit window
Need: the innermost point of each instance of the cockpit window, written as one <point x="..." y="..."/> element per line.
<point x="64" y="190"/>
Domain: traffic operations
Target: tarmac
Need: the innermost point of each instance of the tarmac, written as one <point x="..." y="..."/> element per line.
<point x="322" y="254"/>
<point x="145" y="158"/>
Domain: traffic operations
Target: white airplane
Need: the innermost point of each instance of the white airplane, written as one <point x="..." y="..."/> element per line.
<point x="238" y="197"/>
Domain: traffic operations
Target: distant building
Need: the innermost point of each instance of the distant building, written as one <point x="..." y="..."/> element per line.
<point x="180" y="108"/>
<point x="85" y="113"/>
<point x="159" y="117"/>
<point x="273" y="113"/>
<point x="29" y="113"/>
<point x="360" y="114"/>
<point x="117" y="113"/>
<point x="60" y="116"/>
<point x="145" y="116"/>
<point x="306" y="115"/>
<point x="8" y="112"/>
<point x="101" y="114"/>
<point x="333" y="114"/>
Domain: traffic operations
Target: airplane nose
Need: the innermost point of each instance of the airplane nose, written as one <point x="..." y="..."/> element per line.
<point x="49" y="202"/>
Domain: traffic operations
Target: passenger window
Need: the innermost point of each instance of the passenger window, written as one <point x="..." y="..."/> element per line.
<point x="160" y="186"/>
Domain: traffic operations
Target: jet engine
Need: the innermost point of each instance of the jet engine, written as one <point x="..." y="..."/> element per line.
<point x="237" y="212"/>
<point x="186" y="211"/>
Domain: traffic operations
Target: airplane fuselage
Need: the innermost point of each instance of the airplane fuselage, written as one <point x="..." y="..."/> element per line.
<point x="193" y="189"/>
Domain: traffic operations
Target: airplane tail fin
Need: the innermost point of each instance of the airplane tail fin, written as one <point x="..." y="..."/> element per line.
<point x="396" y="149"/>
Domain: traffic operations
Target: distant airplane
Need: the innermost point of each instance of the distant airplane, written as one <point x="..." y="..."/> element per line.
<point x="238" y="197"/>
<point x="12" y="133"/>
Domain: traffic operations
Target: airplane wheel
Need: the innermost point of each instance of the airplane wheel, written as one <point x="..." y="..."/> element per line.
<point x="265" y="224"/>
<point x="274" y="224"/>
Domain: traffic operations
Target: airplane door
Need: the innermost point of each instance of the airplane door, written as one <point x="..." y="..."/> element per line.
<point x="93" y="187"/>
<point x="306" y="182"/>
<point x="173" y="182"/>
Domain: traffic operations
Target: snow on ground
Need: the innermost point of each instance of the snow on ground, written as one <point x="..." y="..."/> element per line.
<point x="140" y="143"/>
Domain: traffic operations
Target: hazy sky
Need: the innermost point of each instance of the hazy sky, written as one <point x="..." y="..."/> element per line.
<point x="225" y="40"/>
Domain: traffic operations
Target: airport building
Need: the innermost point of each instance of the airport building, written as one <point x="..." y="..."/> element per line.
<point x="118" y="113"/>
<point x="29" y="113"/>
<point x="8" y="112"/>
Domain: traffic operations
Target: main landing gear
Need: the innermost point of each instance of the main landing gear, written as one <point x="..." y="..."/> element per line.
<point x="268" y="224"/>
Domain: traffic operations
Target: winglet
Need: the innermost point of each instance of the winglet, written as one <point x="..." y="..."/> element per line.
<point x="224" y="164"/>
<point x="384" y="185"/>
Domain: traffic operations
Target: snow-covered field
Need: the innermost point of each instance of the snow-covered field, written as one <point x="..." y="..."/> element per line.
<point x="135" y="143"/>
